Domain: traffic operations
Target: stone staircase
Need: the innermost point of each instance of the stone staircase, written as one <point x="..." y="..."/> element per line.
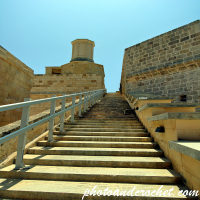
<point x="102" y="152"/>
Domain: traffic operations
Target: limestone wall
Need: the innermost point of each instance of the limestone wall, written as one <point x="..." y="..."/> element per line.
<point x="16" y="80"/>
<point x="66" y="83"/>
<point x="168" y="64"/>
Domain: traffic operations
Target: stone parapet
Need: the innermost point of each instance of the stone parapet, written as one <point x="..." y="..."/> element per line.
<point x="189" y="148"/>
<point x="171" y="123"/>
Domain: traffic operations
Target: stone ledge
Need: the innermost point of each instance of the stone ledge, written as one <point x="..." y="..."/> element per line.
<point x="189" y="148"/>
<point x="144" y="97"/>
<point x="176" y="115"/>
<point x="163" y="69"/>
<point x="149" y="96"/>
<point x="168" y="105"/>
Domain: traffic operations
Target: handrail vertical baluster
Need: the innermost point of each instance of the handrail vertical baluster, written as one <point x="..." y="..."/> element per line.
<point x="95" y="97"/>
<point x="22" y="138"/>
<point x="84" y="103"/>
<point x="80" y="100"/>
<point x="62" y="116"/>
<point x="73" y="109"/>
<point x="90" y="98"/>
<point x="51" y="121"/>
<point x="87" y="101"/>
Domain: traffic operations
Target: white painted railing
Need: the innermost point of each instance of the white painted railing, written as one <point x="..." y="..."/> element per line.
<point x="90" y="99"/>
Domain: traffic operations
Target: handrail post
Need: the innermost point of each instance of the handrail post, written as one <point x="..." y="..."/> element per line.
<point x="90" y="98"/>
<point x="73" y="109"/>
<point x="22" y="138"/>
<point x="84" y="103"/>
<point x="93" y="98"/>
<point x="62" y="116"/>
<point x="80" y="99"/>
<point x="51" y="121"/>
<point x="87" y="101"/>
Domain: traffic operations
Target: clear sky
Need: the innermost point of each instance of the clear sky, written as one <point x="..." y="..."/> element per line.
<point x="39" y="32"/>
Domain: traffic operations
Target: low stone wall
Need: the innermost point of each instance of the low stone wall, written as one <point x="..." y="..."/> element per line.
<point x="181" y="122"/>
<point x="16" y="80"/>
<point x="185" y="164"/>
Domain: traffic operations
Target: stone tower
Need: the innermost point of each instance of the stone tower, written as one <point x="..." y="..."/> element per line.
<point x="82" y="50"/>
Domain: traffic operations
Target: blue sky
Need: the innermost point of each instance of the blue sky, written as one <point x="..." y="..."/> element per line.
<point x="39" y="32"/>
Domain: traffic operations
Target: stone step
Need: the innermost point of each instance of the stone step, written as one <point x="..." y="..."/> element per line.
<point x="97" y="161"/>
<point x="106" y="120"/>
<point x="123" y="134"/>
<point x="102" y="109"/>
<point x="104" y="129"/>
<point x="89" y="113"/>
<point x="99" y="144"/>
<point x="101" y="138"/>
<point x="74" y="190"/>
<point x="108" y="116"/>
<point x="95" y="151"/>
<point x="104" y="126"/>
<point x="105" y="123"/>
<point x="93" y="174"/>
<point x="111" y="118"/>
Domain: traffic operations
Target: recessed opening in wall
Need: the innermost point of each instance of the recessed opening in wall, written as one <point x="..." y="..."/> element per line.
<point x="56" y="71"/>
<point x="183" y="97"/>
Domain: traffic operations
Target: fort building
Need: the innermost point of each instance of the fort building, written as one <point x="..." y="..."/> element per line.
<point x="146" y="138"/>
<point x="80" y="74"/>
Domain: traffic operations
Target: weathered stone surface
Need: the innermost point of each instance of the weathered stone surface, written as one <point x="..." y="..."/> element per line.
<point x="176" y="115"/>
<point x="176" y="58"/>
<point x="168" y="105"/>
<point x="16" y="80"/>
<point x="189" y="148"/>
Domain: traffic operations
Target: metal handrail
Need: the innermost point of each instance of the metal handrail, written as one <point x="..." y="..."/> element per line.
<point x="32" y="102"/>
<point x="89" y="97"/>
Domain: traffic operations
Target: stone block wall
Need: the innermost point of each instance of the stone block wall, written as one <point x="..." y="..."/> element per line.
<point x="16" y="80"/>
<point x="67" y="83"/>
<point x="168" y="64"/>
